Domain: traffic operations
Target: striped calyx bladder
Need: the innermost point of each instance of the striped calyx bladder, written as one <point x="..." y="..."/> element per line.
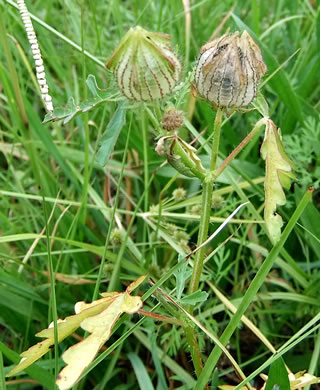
<point x="229" y="70"/>
<point x="144" y="65"/>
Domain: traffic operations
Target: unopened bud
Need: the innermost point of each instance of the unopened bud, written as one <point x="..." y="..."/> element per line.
<point x="229" y="70"/>
<point x="144" y="65"/>
<point x="179" y="194"/>
<point x="217" y="201"/>
<point x="116" y="237"/>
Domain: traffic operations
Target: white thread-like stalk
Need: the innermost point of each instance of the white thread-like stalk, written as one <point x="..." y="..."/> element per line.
<point x="36" y="54"/>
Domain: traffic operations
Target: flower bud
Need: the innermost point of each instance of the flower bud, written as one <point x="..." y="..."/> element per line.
<point x="144" y="65"/>
<point x="229" y="70"/>
<point x="179" y="194"/>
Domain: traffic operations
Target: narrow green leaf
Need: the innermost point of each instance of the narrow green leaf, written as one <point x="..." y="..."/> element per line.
<point x="182" y="274"/>
<point x="35" y="371"/>
<point x="141" y="372"/>
<point x="19" y="287"/>
<point x="278" y="376"/>
<point x="42" y="133"/>
<point x="111" y="134"/>
<point x="162" y="384"/>
<point x="2" y="380"/>
<point x="194" y="298"/>
<point x="251" y="293"/>
<point x="310" y="220"/>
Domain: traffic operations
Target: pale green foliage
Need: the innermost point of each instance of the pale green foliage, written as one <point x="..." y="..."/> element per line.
<point x="304" y="145"/>
<point x="278" y="175"/>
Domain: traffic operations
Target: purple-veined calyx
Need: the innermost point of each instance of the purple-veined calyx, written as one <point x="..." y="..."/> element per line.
<point x="144" y="65"/>
<point x="229" y="70"/>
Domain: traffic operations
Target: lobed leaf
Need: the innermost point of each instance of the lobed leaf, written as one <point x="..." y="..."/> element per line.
<point x="278" y="175"/>
<point x="97" y="318"/>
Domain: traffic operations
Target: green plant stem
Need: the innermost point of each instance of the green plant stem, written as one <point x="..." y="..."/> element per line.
<point x="216" y="139"/>
<point x="207" y="189"/>
<point x="192" y="340"/>
<point x="251" y="293"/>
<point x="53" y="299"/>
<point x="145" y="164"/>
<point x="86" y="174"/>
<point x="314" y="358"/>
<point x="2" y="376"/>
<point x="238" y="149"/>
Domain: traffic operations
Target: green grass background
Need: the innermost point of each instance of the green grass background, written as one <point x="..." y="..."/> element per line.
<point x="57" y="162"/>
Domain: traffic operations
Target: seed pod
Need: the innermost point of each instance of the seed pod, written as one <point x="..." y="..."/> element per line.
<point x="229" y="70"/>
<point x="172" y="119"/>
<point x="144" y="65"/>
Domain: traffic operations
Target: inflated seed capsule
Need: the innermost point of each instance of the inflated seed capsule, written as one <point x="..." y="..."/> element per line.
<point x="144" y="65"/>
<point x="229" y="70"/>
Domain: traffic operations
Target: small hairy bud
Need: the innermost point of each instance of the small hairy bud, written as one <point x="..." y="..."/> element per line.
<point x="172" y="228"/>
<point x="217" y="201"/>
<point x="155" y="271"/>
<point x="183" y="238"/>
<point x="195" y="209"/>
<point x="172" y="120"/>
<point x="154" y="209"/>
<point x="144" y="65"/>
<point x="229" y="70"/>
<point x="179" y="194"/>
<point x="116" y="236"/>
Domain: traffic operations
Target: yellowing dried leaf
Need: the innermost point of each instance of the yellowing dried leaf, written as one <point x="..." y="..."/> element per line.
<point x="230" y="387"/>
<point x="97" y="318"/>
<point x="299" y="380"/>
<point x="65" y="328"/>
<point x="80" y="355"/>
<point x="278" y="174"/>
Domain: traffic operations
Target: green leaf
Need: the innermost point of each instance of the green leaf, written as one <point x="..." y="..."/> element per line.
<point x="35" y="372"/>
<point x="111" y="134"/>
<point x="278" y="175"/>
<point x="310" y="220"/>
<point x="98" y="92"/>
<point x="182" y="274"/>
<point x="278" y="376"/>
<point x="141" y="372"/>
<point x="72" y="109"/>
<point x="66" y="113"/>
<point x="261" y="105"/>
<point x="194" y="298"/>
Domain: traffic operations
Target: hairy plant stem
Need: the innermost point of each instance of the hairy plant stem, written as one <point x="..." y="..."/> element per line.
<point x="145" y="164"/>
<point x="238" y="149"/>
<point x="207" y="189"/>
<point x="251" y="293"/>
<point x="216" y="139"/>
